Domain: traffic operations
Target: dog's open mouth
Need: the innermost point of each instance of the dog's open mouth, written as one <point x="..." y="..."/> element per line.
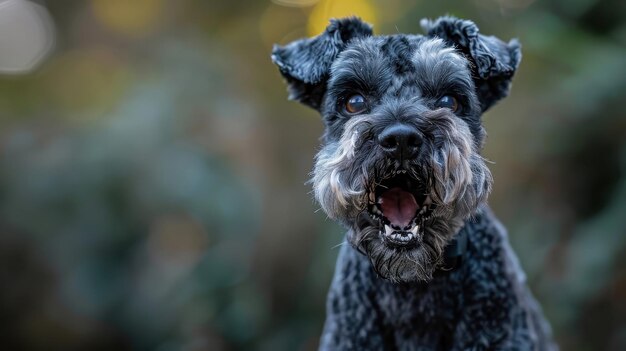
<point x="402" y="206"/>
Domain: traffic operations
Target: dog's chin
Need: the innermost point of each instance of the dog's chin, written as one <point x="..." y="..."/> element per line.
<point x="402" y="231"/>
<point x="413" y="260"/>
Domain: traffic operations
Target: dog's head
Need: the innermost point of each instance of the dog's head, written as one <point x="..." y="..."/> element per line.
<point x="400" y="162"/>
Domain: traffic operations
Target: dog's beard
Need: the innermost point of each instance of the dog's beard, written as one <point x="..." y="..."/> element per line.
<point x="414" y="262"/>
<point x="402" y="215"/>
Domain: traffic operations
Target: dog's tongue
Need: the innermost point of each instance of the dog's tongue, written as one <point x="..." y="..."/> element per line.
<point x="398" y="206"/>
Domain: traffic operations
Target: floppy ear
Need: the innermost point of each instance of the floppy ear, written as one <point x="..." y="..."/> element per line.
<point x="494" y="61"/>
<point x="306" y="63"/>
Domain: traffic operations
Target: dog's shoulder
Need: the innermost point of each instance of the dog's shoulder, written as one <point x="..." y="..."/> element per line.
<point x="488" y="246"/>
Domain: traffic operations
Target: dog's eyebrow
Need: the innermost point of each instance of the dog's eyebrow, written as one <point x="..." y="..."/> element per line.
<point x="360" y="67"/>
<point x="445" y="75"/>
<point x="348" y="82"/>
<point x="443" y="85"/>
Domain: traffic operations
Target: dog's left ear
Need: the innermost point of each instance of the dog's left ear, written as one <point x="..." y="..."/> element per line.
<point x="306" y="63"/>
<point x="494" y="61"/>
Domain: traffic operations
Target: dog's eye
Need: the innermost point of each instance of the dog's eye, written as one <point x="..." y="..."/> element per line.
<point x="356" y="104"/>
<point x="448" y="101"/>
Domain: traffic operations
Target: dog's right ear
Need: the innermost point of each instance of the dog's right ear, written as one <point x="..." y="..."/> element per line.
<point x="306" y="63"/>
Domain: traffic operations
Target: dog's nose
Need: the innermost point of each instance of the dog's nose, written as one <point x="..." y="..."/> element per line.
<point x="400" y="141"/>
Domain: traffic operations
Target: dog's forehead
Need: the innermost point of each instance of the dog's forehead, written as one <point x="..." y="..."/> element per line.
<point x="401" y="55"/>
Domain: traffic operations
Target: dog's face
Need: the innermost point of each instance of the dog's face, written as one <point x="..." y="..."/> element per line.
<point x="400" y="162"/>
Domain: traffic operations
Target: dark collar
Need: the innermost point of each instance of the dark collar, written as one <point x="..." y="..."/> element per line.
<point x="452" y="256"/>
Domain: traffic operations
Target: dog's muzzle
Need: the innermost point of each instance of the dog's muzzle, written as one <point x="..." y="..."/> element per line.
<point x="400" y="202"/>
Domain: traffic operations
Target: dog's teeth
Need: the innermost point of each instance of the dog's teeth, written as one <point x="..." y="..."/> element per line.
<point x="415" y="229"/>
<point x="428" y="200"/>
<point x="388" y="230"/>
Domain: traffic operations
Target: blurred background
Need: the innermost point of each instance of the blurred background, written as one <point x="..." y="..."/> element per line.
<point x="152" y="171"/>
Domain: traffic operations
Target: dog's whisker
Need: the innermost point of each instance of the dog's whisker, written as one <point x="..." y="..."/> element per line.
<point x="338" y="245"/>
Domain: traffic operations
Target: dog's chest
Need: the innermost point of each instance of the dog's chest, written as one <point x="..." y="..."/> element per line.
<point x="421" y="317"/>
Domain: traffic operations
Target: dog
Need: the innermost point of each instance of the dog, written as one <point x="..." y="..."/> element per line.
<point x="428" y="266"/>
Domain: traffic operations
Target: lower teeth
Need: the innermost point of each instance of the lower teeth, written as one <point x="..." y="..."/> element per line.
<point x="401" y="236"/>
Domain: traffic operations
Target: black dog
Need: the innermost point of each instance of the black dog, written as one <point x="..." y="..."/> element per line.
<point x="428" y="266"/>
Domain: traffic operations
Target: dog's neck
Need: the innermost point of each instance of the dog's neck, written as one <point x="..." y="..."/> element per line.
<point x="453" y="254"/>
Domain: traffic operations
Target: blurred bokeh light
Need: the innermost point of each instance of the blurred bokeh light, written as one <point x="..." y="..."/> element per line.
<point x="326" y="9"/>
<point x="152" y="171"/>
<point x="26" y="35"/>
